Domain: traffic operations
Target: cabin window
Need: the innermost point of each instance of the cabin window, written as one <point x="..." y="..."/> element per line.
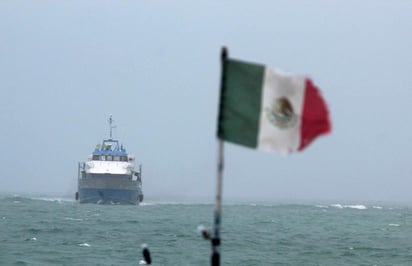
<point x="123" y="158"/>
<point x="95" y="157"/>
<point x="102" y="158"/>
<point x="116" y="158"/>
<point x="109" y="158"/>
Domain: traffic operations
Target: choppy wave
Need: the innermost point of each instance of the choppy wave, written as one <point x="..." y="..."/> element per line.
<point x="343" y="206"/>
<point x="47" y="232"/>
<point x="358" y="206"/>
<point x="154" y="203"/>
<point x="53" y="199"/>
<point x="72" y="219"/>
<point x="18" y="198"/>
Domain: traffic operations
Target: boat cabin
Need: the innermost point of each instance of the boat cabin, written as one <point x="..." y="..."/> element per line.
<point x="110" y="150"/>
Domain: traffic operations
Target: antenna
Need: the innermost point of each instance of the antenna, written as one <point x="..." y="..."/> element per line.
<point x="111" y="126"/>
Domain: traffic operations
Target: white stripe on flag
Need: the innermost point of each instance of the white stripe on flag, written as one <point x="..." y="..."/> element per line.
<point x="275" y="85"/>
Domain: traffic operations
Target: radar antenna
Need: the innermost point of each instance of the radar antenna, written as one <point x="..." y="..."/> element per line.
<point x="111" y="126"/>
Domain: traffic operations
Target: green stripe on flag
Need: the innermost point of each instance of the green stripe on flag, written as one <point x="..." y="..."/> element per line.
<point x="240" y="102"/>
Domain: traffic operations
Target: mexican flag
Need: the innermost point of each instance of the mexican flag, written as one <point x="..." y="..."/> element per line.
<point x="269" y="110"/>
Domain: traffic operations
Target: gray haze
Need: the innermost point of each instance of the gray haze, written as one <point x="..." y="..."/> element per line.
<point x="66" y="65"/>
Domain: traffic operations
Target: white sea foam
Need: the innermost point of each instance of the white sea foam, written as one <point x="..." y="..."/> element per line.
<point x="147" y="204"/>
<point x="377" y="207"/>
<point x="19" y="198"/>
<point x="84" y="245"/>
<point x="396" y="225"/>
<point x="358" y="206"/>
<point x="53" y="199"/>
<point x="161" y="203"/>
<point x="72" y="219"/>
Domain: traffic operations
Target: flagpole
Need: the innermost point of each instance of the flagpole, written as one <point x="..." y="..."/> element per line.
<point x="215" y="259"/>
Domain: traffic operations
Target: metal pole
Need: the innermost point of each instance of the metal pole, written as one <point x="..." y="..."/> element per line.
<point x="218" y="207"/>
<point x="215" y="259"/>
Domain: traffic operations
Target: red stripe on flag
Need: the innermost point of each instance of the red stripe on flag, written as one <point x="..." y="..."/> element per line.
<point x="315" y="116"/>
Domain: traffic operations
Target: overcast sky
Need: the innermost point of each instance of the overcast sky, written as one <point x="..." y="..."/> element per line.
<point x="66" y="65"/>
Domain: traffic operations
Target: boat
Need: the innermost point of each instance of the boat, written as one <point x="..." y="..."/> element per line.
<point x="109" y="175"/>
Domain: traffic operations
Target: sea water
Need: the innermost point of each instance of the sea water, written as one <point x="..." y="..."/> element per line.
<point x="47" y="231"/>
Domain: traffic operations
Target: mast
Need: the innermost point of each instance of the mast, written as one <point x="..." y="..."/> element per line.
<point x="111" y="126"/>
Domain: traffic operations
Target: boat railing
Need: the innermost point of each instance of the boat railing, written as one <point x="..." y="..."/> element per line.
<point x="81" y="169"/>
